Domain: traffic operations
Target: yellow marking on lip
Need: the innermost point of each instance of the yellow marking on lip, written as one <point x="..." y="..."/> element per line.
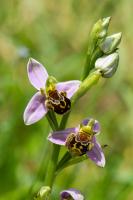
<point x="42" y="91"/>
<point x="91" y="145"/>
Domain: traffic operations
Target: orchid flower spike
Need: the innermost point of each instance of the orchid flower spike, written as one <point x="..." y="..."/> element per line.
<point x="71" y="194"/>
<point x="50" y="95"/>
<point x="81" y="140"/>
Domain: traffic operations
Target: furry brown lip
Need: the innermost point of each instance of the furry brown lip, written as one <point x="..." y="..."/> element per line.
<point x="58" y="102"/>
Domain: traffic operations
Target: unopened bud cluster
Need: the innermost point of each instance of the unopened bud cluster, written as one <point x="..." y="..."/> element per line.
<point x="107" y="64"/>
<point x="100" y="48"/>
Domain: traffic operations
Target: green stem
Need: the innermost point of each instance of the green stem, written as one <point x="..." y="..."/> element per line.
<point x="43" y="167"/>
<point x="91" y="80"/>
<point x="52" y="125"/>
<point x="64" y="121"/>
<point x="50" y="176"/>
<point x="67" y="156"/>
<point x="49" y="180"/>
<point x="70" y="161"/>
<point x="40" y="175"/>
<point x="53" y="118"/>
<point x="87" y="67"/>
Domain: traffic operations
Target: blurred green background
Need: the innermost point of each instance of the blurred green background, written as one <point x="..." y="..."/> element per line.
<point x="56" y="34"/>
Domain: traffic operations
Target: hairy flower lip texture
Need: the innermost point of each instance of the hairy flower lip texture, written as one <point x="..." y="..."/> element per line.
<point x="36" y="108"/>
<point x="71" y="194"/>
<point x="95" y="153"/>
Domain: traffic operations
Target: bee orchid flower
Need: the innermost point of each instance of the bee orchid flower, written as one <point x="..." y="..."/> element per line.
<point x="81" y="140"/>
<point x="71" y="194"/>
<point x="50" y="95"/>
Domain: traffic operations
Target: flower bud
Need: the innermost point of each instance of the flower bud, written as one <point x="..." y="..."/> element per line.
<point x="43" y="193"/>
<point x="71" y="194"/>
<point x="110" y="43"/>
<point x="104" y="27"/>
<point x="107" y="64"/>
<point x="100" y="28"/>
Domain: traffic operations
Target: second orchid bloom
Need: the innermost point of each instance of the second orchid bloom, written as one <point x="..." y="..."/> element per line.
<point x="81" y="140"/>
<point x="51" y="94"/>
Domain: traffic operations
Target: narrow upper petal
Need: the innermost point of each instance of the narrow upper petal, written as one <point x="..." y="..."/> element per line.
<point x="96" y="126"/>
<point x="37" y="74"/>
<point x="96" y="154"/>
<point x="70" y="87"/>
<point x="59" y="137"/>
<point x="71" y="193"/>
<point x="35" y="109"/>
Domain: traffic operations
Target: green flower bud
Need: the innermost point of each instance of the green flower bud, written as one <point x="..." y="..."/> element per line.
<point x="110" y="43"/>
<point x="104" y="27"/>
<point x="99" y="30"/>
<point x="107" y="64"/>
<point x="43" y="193"/>
<point x="106" y="21"/>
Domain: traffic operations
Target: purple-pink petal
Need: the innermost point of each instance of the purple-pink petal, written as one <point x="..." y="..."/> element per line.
<point x="70" y="87"/>
<point x="96" y="154"/>
<point x="35" y="109"/>
<point x="59" y="137"/>
<point x="71" y="193"/>
<point x="96" y="126"/>
<point x="37" y="74"/>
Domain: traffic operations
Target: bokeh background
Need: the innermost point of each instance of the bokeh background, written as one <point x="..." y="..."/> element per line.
<point x="56" y="34"/>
